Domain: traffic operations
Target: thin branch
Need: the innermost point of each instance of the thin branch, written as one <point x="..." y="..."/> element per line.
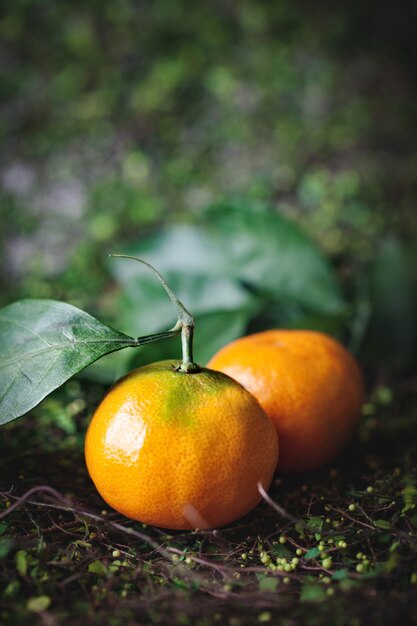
<point x="276" y="506"/>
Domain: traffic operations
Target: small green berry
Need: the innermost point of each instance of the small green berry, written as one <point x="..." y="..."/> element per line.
<point x="360" y="568"/>
<point x="282" y="539"/>
<point x="264" y="617"/>
<point x="327" y="563"/>
<point x="298" y="552"/>
<point x="368" y="408"/>
<point x="352" y="507"/>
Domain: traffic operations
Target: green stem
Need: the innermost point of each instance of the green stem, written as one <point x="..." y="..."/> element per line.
<point x="185" y="323"/>
<point x="140" y="341"/>
<point x="187" y="334"/>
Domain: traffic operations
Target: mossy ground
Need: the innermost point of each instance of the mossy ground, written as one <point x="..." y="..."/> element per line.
<point x="337" y="546"/>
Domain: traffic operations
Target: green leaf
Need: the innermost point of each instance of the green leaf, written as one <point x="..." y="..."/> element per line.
<point x="392" y="336"/>
<point x="201" y="293"/>
<point x="280" y="551"/>
<point x="312" y="592"/>
<point x="413" y="520"/>
<point x="409" y="494"/>
<point x="39" y="604"/>
<point x="221" y="309"/>
<point x="42" y="344"/>
<point x="254" y="245"/>
<point x="382" y="523"/>
<point x="6" y="544"/>
<point x="241" y="265"/>
<point x="267" y="583"/>
<point x="112" y="366"/>
<point x="313" y="553"/>
<point x="215" y="330"/>
<point x="22" y="562"/>
<point x="273" y="255"/>
<point x="392" y="562"/>
<point x="181" y="249"/>
<point x="394" y="546"/>
<point x="315" y="523"/>
<point x="181" y="584"/>
<point x="12" y="589"/>
<point x="300" y="527"/>
<point x="97" y="567"/>
<point x="341" y="574"/>
<point x="239" y="262"/>
<point x="347" y="584"/>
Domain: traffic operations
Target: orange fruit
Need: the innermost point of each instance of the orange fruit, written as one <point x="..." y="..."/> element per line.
<point x="308" y="384"/>
<point x="178" y="450"/>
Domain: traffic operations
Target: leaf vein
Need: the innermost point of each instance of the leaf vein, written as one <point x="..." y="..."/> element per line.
<point x="29" y="330"/>
<point x="52" y="347"/>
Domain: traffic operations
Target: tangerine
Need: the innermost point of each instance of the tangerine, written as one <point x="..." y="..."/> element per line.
<point x="180" y="450"/>
<point x="309" y="385"/>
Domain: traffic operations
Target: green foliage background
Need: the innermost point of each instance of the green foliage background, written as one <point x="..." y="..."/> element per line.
<point x="120" y="118"/>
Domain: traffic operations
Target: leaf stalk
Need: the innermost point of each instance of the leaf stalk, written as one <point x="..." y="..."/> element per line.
<point x="184" y="324"/>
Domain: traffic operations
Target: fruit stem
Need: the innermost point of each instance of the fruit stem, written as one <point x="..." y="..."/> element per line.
<point x="187" y="334"/>
<point x="185" y="321"/>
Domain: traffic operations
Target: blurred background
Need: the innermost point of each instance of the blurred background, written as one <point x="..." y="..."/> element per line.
<point x="262" y="155"/>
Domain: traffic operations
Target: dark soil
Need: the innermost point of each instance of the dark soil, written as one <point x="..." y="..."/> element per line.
<point x="67" y="559"/>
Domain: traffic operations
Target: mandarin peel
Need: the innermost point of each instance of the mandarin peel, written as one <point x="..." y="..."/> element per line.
<point x="180" y="446"/>
<point x="309" y="385"/>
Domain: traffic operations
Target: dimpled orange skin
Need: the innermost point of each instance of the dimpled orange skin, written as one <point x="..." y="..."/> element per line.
<point x="180" y="451"/>
<point x="308" y="384"/>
